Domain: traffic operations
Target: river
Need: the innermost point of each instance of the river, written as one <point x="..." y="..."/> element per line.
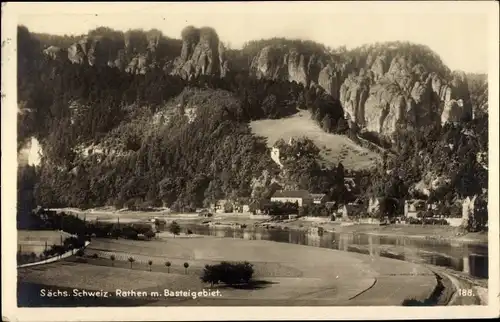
<point x="471" y="259"/>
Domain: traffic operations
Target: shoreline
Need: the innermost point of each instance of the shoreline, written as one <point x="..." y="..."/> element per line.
<point x="225" y="220"/>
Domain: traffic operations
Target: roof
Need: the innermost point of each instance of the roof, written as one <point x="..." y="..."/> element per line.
<point x="352" y="206"/>
<point x="304" y="194"/>
<point x="318" y="195"/>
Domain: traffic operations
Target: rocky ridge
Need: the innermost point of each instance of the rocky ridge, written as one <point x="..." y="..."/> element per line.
<point x="381" y="87"/>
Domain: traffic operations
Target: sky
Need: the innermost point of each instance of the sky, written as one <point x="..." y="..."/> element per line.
<point x="460" y="34"/>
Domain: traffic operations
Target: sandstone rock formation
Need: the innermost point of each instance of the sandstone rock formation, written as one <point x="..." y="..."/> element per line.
<point x="353" y="95"/>
<point x="269" y="63"/>
<point x="331" y="78"/>
<point x="200" y="54"/>
<point x="90" y="50"/>
<point x="55" y="53"/>
<point x="274" y="62"/>
<point x="457" y="104"/>
<point x="77" y="53"/>
<point x="138" y="65"/>
<point x="135" y="51"/>
<point x="378" y="100"/>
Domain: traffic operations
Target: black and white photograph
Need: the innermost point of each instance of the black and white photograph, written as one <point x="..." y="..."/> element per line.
<point x="314" y="156"/>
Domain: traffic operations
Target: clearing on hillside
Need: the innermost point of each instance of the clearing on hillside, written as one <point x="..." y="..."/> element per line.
<point x="334" y="148"/>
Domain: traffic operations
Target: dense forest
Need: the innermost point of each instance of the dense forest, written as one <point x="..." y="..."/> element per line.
<point x="130" y="140"/>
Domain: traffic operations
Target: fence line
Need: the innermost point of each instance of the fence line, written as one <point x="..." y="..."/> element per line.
<point x="55" y="258"/>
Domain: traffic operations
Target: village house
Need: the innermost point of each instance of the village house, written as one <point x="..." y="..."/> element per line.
<point x="318" y="198"/>
<point x="349" y="210"/>
<point x="471" y="206"/>
<point x="241" y="206"/>
<point x="301" y="197"/>
<point x="331" y="205"/>
<point x="374" y="205"/>
<point x="318" y="231"/>
<point x="413" y="207"/>
<point x="222" y="206"/>
<point x="255" y="206"/>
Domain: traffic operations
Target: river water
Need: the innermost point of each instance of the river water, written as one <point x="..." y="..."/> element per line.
<point x="471" y="259"/>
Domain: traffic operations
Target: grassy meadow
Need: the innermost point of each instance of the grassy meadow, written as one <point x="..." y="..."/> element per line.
<point x="334" y="148"/>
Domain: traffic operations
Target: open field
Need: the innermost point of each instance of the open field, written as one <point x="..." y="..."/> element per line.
<point x="288" y="273"/>
<point x="34" y="240"/>
<point x="334" y="148"/>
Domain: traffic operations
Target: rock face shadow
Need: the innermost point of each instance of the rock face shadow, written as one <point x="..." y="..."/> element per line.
<point x="252" y="285"/>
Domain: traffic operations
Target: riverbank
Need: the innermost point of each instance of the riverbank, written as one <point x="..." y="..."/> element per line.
<point x="430" y="232"/>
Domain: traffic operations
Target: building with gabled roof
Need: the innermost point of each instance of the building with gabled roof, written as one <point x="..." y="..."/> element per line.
<point x="301" y="197"/>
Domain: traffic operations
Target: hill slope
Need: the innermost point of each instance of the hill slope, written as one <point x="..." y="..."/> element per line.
<point x="334" y="148"/>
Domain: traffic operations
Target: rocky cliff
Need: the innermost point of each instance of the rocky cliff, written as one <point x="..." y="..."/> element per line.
<point x="290" y="64"/>
<point x="403" y="92"/>
<point x="94" y="51"/>
<point x="332" y="76"/>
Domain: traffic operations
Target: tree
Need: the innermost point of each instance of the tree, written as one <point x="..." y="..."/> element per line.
<point x="112" y="257"/>
<point x="175" y="228"/>
<point x="388" y="207"/>
<point x="186" y="265"/>
<point x="150" y="263"/>
<point x="131" y="260"/>
<point x="342" y="126"/>
<point x="168" y="264"/>
<point x="326" y="123"/>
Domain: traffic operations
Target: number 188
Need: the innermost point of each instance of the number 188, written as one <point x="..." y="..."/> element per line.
<point x="465" y="292"/>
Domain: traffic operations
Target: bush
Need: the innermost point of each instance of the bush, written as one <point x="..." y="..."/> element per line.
<point x="228" y="273"/>
<point x="116" y="233"/>
<point x="175" y="228"/>
<point x="413" y="221"/>
<point x="129" y="233"/>
<point x="149" y="234"/>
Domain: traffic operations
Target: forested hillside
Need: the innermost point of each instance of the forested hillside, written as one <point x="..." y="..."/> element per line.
<point x="137" y="119"/>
